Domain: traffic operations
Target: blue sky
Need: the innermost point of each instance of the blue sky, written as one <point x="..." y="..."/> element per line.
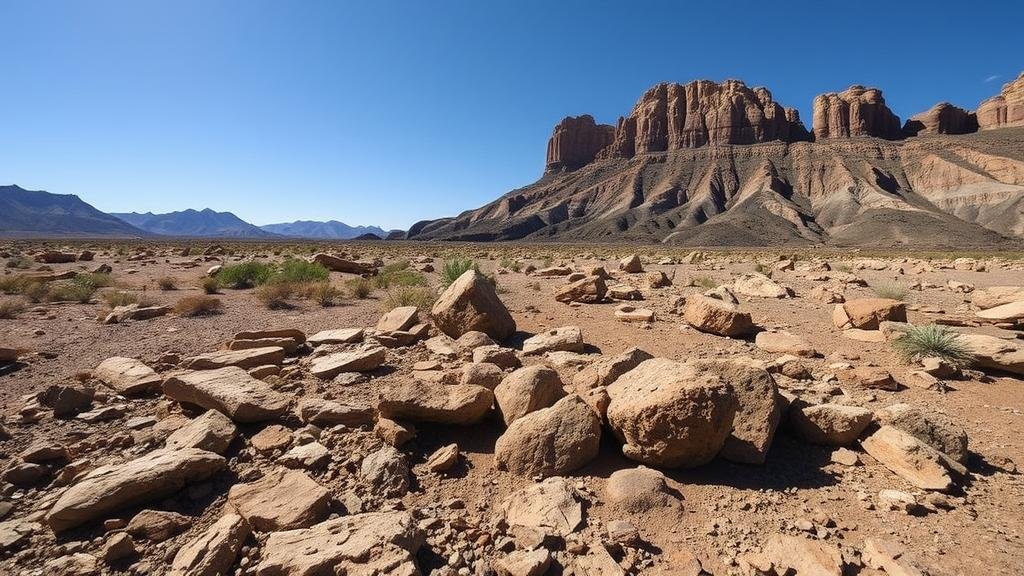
<point x="384" y="112"/>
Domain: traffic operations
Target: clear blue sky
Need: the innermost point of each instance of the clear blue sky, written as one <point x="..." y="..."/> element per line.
<point x="383" y="112"/>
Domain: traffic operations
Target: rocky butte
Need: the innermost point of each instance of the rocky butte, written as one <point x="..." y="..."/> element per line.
<point x="707" y="163"/>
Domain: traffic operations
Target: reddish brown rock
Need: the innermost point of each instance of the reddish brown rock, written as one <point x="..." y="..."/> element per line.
<point x="1004" y="109"/>
<point x="576" y="141"/>
<point x="857" y="111"/>
<point x="943" y="118"/>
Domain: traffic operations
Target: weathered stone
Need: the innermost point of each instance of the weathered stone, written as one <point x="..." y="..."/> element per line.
<point x="868" y="313"/>
<point x="211" y="431"/>
<point x="889" y="557"/>
<point x="550" y="441"/>
<point x="310" y="455"/>
<point x="869" y="377"/>
<point x="985" y="298"/>
<point x="363" y="360"/>
<point x="1005" y="109"/>
<point x="115" y="486"/>
<point x="943" y="118"/>
<point x="1011" y="312"/>
<point x="639" y="489"/>
<point x="607" y="369"/>
<point x="336" y="264"/>
<point x="671" y="414"/>
<point x="281" y="500"/>
<point x="994" y="353"/>
<point x="66" y="400"/>
<point x="628" y="313"/>
<point x="588" y="290"/>
<point x="443" y="459"/>
<point x="127" y="376"/>
<point x="524" y="563"/>
<point x="829" y="424"/>
<point x="444" y="404"/>
<point x="759" y="412"/>
<point x="241" y="358"/>
<point x="784" y="343"/>
<point x="934" y="429"/>
<point x="214" y="551"/>
<point x="909" y="458"/>
<point x="527" y="389"/>
<point x="576" y="140"/>
<point x="401" y="318"/>
<point x="325" y="413"/>
<point x="549" y="507"/>
<point x="497" y="355"/>
<point x="470" y="303"/>
<point x="337" y="336"/>
<point x="857" y="111"/>
<point x="716" y="317"/>
<point x="157" y="525"/>
<point x="394" y="433"/>
<point x="631" y="264"/>
<point x="229" y="390"/>
<point x="385" y="472"/>
<point x="758" y="285"/>
<point x="798" y="555"/>
<point x="566" y="338"/>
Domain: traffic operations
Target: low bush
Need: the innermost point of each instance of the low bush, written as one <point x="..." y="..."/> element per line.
<point x="418" y="296"/>
<point x="275" y="295"/>
<point x="891" y="290"/>
<point x="400" y="277"/>
<point x="119" y="298"/>
<point x="209" y="284"/>
<point x="198" y="305"/>
<point x="166" y="283"/>
<point x="454" y="268"/>
<point x="10" y="308"/>
<point x="245" y="275"/>
<point x="19" y="263"/>
<point x="359" y="287"/>
<point x="295" y="270"/>
<point x="325" y="295"/>
<point x="70" y="291"/>
<point x="705" y="282"/>
<point x="932" y="340"/>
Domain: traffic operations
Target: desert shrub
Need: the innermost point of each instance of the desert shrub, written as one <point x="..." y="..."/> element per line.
<point x="705" y="282"/>
<point x="892" y="290"/>
<point x="209" y="284"/>
<point x="359" y="287"/>
<point x="275" y="295"/>
<point x="166" y="283"/>
<point x="399" y="277"/>
<point x="510" y="264"/>
<point x="70" y="291"/>
<point x="294" y="270"/>
<point x="96" y="280"/>
<point x="35" y="291"/>
<point x="119" y="298"/>
<point x="395" y="266"/>
<point x="198" y="305"/>
<point x="324" y="294"/>
<point x="418" y="296"/>
<point x="245" y="275"/>
<point x="10" y="308"/>
<point x="535" y="286"/>
<point x="15" y="284"/>
<point x="933" y="340"/>
<point x="454" y="268"/>
<point x="19" y="263"/>
<point x="763" y="269"/>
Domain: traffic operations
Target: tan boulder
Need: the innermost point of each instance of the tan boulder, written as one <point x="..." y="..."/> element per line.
<point x="357" y="545"/>
<point x="994" y="353"/>
<point x="607" y="369"/>
<point x="588" y="290"/>
<point x="336" y="264"/>
<point x="213" y="552"/>
<point x="418" y="401"/>
<point x="829" y="424"/>
<point x="631" y="264"/>
<point x="157" y="525"/>
<point x="760" y="409"/>
<point x="527" y="389"/>
<point x="249" y="358"/>
<point x="801" y="556"/>
<point x="868" y="313"/>
<point x="869" y="377"/>
<point x="400" y="318"/>
<point x="229" y="390"/>
<point x="671" y="414"/>
<point x="564" y="339"/>
<point x="638" y="490"/>
<point x="211" y="431"/>
<point x="784" y="343"/>
<point x="933" y="428"/>
<point x="362" y="360"/>
<point x="1011" y="312"/>
<point x="112" y="487"/>
<point x="127" y="376"/>
<point x="470" y="303"/>
<point x="326" y="413"/>
<point x="909" y="458"/>
<point x="550" y="507"/>
<point x="890" y="557"/>
<point x="281" y="500"/>
<point x="551" y="441"/>
<point x="985" y="298"/>
<point x="716" y="317"/>
<point x="759" y="286"/>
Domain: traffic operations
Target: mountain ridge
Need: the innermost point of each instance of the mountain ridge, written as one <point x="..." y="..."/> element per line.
<point x="322" y="230"/>
<point x="36" y="213"/>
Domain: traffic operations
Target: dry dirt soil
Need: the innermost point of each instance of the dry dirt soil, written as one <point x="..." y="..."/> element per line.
<point x="727" y="511"/>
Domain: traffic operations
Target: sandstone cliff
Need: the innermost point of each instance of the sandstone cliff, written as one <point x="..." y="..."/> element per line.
<point x="1005" y="109"/>
<point x="857" y="111"/>
<point x="576" y="141"/>
<point x="943" y="118"/>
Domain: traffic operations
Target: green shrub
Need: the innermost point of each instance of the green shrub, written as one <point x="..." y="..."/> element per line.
<point x="70" y="291"/>
<point x="35" y="291"/>
<point x="95" y="280"/>
<point x="191" y="306"/>
<point x="16" y="284"/>
<point x="891" y="290"/>
<point x="418" y="296"/>
<point x="119" y="298"/>
<point x="400" y="277"/>
<point x="359" y="287"/>
<point x="294" y="270"/>
<point x="510" y="264"/>
<point x="10" y="308"/>
<point x="933" y="340"/>
<point x="18" y="262"/>
<point x="454" y="268"/>
<point x="166" y="283"/>
<point x="245" y="275"/>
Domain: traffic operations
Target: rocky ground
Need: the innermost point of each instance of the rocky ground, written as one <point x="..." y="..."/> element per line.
<point x="569" y="410"/>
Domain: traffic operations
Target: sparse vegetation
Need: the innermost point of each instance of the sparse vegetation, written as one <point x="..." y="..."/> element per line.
<point x="454" y="268"/>
<point x="324" y="294"/>
<point x="403" y="276"/>
<point x="359" y="287"/>
<point x="510" y="264"/>
<point x="198" y="305"/>
<point x="209" y="284"/>
<point x="245" y="275"/>
<point x="705" y="282"/>
<point x="933" y="340"/>
<point x="891" y="290"/>
<point x="70" y="291"/>
<point x="18" y="263"/>
<point x="276" y="295"/>
<point x="295" y="270"/>
<point x="10" y="308"/>
<point x="418" y="296"/>
<point x="166" y="283"/>
<point x="117" y="298"/>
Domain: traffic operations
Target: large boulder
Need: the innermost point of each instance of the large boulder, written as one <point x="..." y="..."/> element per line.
<point x="760" y="409"/>
<point x="336" y="264"/>
<point x="607" y="369"/>
<point x="229" y="390"/>
<point x="127" y="376"/>
<point x="994" y="353"/>
<point x="400" y="318"/>
<point x="470" y="303"/>
<point x="214" y="551"/>
<point x="527" y="389"/>
<point x="716" y="317"/>
<point x="550" y="441"/>
<point x="934" y="429"/>
<point x="671" y="414"/>
<point x="419" y="401"/>
<point x="1010" y="312"/>
<point x="564" y="339"/>
<point x="281" y="500"/>
<point x="112" y="487"/>
<point x="589" y="290"/>
<point x="829" y="424"/>
<point x="868" y="313"/>
<point x="357" y="545"/>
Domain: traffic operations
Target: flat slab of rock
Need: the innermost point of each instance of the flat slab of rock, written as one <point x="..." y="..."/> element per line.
<point x="549" y="507"/>
<point x="292" y="333"/>
<point x="986" y="298"/>
<point x="212" y="431"/>
<point x="337" y="336"/>
<point x="1010" y="312"/>
<point x="995" y="353"/>
<point x="329" y="366"/>
<point x="336" y="264"/>
<point x="113" y="487"/>
<point x="231" y="391"/>
<point x="214" y="551"/>
<point x="868" y="313"/>
<point x="564" y="339"/>
<point x="418" y="401"/>
<point x="629" y="313"/>
<point x="127" y="376"/>
<point x="797" y="555"/>
<point x="371" y="543"/>
<point x="325" y="413"/>
<point x="249" y="358"/>
<point x="784" y="343"/>
<point x="909" y="458"/>
<point x="281" y="500"/>
<point x="401" y="318"/>
<point x="829" y="424"/>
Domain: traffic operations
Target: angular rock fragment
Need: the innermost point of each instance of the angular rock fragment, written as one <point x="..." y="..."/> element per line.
<point x="127" y="376"/>
<point x="527" y="389"/>
<point x="214" y="551"/>
<point x="364" y="360"/>
<point x="470" y="303"/>
<point x="281" y="500"/>
<point x="566" y="338"/>
<point x="444" y="404"/>
<point x="229" y="390"/>
<point x="550" y="442"/>
<point x="909" y="458"/>
<point x="829" y="424"/>
<point x="249" y="358"/>
<point x="212" y="431"/>
<point x="716" y="317"/>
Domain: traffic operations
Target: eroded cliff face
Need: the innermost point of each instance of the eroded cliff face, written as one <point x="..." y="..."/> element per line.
<point x="576" y="142"/>
<point x="857" y="111"/>
<point x="943" y="118"/>
<point x="1006" y="109"/>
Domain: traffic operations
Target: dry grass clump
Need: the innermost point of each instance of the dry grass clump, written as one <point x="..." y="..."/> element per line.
<point x="10" y="308"/>
<point x="276" y="295"/>
<point x="209" y="284"/>
<point x="360" y="288"/>
<point x="198" y="305"/>
<point x="325" y="295"/>
<point x="454" y="268"/>
<point x="166" y="283"/>
<point x="418" y="296"/>
<point x="891" y="290"/>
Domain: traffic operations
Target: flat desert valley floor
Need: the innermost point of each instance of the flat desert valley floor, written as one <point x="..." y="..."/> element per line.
<point x="374" y="452"/>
